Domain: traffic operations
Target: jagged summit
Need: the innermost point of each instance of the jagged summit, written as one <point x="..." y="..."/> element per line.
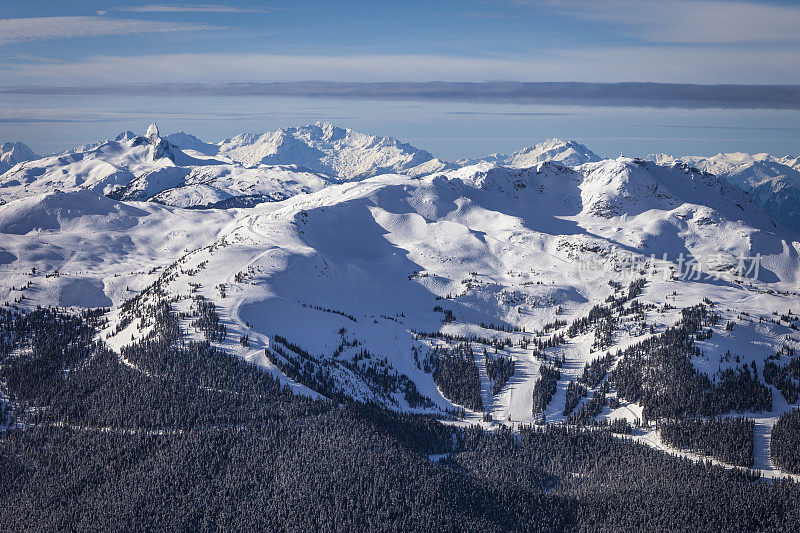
<point x="152" y="132"/>
<point x="106" y="167"/>
<point x="161" y="148"/>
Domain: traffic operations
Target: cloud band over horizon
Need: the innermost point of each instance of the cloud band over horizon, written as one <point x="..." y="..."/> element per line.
<point x="625" y="94"/>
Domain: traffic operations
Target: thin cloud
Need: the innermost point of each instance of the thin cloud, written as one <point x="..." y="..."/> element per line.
<point x="19" y="30"/>
<point x="69" y="115"/>
<point x="198" y="8"/>
<point x="653" y="95"/>
<point x="683" y="21"/>
<point x="679" y="64"/>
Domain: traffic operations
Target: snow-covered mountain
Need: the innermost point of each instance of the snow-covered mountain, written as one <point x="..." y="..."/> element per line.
<point x="484" y="244"/>
<point x="322" y="148"/>
<point x="773" y="181"/>
<point x="363" y="267"/>
<point x="106" y="167"/>
<point x="566" y="152"/>
<point x="346" y="283"/>
<point x="347" y="154"/>
<point x="12" y="153"/>
<point x="339" y="152"/>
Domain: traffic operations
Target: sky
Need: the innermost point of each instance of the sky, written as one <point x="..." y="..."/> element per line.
<point x="92" y="46"/>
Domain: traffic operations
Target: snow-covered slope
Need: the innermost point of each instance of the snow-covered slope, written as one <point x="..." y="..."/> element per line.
<point x="567" y="152"/>
<point x="81" y="248"/>
<point x="630" y="186"/>
<point x="188" y="141"/>
<point x="58" y="211"/>
<point x="224" y="186"/>
<point x="366" y="267"/>
<point x="773" y="181"/>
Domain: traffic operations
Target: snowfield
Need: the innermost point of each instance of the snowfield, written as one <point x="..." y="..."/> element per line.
<point x="360" y="255"/>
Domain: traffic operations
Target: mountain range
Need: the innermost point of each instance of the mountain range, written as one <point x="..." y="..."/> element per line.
<point x="251" y="168"/>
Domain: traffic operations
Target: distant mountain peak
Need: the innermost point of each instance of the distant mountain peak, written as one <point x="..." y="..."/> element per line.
<point x="338" y="152"/>
<point x="569" y="153"/>
<point x="12" y="153"/>
<point x="125" y="136"/>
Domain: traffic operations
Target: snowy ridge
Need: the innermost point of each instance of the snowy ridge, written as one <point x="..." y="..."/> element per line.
<point x="180" y="169"/>
<point x="774" y="182"/>
<point x="187" y="141"/>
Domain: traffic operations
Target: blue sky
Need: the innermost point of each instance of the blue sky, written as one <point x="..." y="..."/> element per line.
<point x="91" y="43"/>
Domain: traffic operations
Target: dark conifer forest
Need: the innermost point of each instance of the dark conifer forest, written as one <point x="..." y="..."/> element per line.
<point x="727" y="439"/>
<point x="785" y="444"/>
<point x="456" y="374"/>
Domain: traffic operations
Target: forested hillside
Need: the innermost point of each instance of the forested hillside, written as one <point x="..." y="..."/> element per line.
<point x="178" y="435"/>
